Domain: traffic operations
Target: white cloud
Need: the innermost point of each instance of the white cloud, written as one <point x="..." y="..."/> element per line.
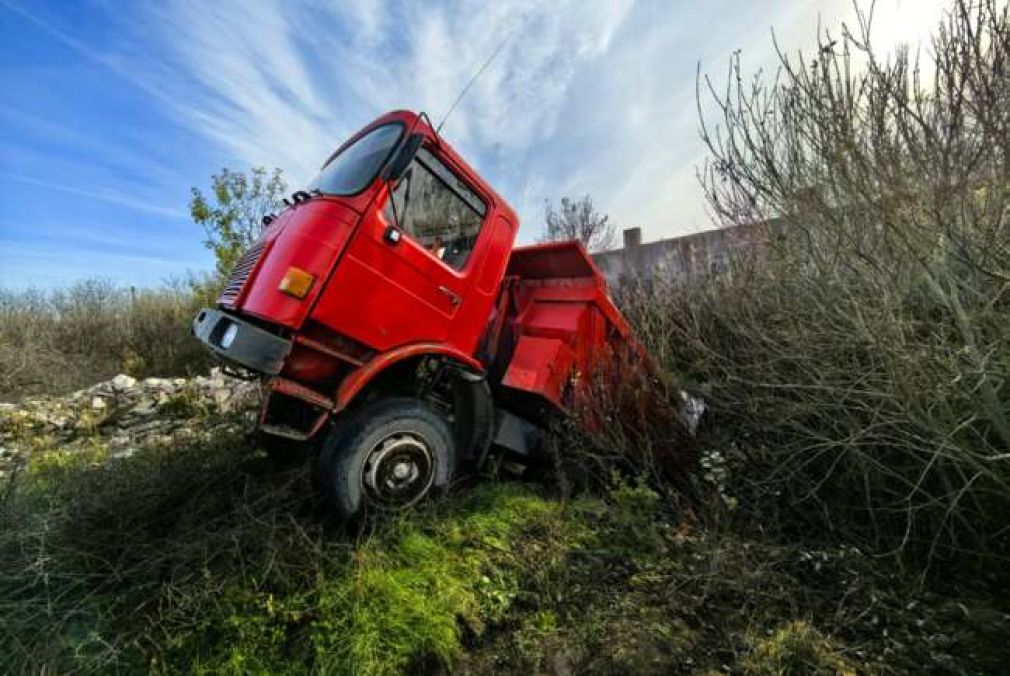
<point x="585" y="97"/>
<point x="242" y="81"/>
<point x="590" y="96"/>
<point x="105" y="195"/>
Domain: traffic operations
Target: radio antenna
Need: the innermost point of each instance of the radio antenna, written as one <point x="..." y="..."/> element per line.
<point x="473" y="79"/>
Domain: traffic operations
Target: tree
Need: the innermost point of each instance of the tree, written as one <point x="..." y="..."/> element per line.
<point x="578" y="219"/>
<point x="232" y="216"/>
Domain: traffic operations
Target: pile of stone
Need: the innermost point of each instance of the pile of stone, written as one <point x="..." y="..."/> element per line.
<point x="124" y="414"/>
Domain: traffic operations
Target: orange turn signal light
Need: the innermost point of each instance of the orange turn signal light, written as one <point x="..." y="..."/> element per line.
<point x="296" y="282"/>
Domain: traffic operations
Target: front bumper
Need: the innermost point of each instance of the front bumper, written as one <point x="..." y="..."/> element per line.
<point x="239" y="342"/>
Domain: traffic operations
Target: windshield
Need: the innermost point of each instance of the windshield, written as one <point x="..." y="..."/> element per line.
<point x="353" y="169"/>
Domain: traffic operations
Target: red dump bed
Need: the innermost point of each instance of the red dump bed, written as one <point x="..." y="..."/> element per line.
<point x="563" y="320"/>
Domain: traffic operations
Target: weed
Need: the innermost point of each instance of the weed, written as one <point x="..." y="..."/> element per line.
<point x="50" y="467"/>
<point x="184" y="404"/>
<point x="796" y="648"/>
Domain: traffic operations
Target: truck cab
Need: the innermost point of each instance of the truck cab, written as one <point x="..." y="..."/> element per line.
<point x="393" y="326"/>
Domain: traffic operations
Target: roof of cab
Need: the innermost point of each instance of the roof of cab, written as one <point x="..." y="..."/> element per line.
<point x="421" y="122"/>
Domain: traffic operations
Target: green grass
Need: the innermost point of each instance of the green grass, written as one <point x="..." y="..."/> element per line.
<point x="412" y="591"/>
<point x="796" y="648"/>
<point x="193" y="559"/>
<point x="186" y="559"/>
<point x="405" y="598"/>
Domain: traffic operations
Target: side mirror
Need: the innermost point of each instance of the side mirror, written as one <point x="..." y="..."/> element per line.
<point x="408" y="151"/>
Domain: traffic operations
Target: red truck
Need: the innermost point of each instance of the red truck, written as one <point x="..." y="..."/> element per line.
<point x="390" y="318"/>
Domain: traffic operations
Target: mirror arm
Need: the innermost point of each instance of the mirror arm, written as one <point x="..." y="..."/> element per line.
<point x="392" y="206"/>
<point x="408" y="151"/>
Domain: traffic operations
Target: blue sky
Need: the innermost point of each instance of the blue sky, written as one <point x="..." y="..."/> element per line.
<point x="111" y="111"/>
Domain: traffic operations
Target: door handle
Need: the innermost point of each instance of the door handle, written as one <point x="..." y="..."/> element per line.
<point x="453" y="298"/>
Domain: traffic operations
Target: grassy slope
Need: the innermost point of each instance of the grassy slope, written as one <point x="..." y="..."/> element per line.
<point x="196" y="559"/>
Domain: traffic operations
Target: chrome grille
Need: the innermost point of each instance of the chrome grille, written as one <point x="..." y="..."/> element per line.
<point x="240" y="273"/>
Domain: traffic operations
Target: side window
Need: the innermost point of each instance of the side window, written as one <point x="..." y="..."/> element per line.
<point x="437" y="209"/>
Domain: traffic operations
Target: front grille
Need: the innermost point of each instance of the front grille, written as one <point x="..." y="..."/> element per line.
<point x="240" y="273"/>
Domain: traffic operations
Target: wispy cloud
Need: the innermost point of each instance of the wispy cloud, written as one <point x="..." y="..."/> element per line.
<point x="284" y="84"/>
<point x="110" y="196"/>
<point x="585" y="97"/>
<point x="87" y="51"/>
<point x="247" y="85"/>
<point x="21" y="265"/>
<point x="273" y="90"/>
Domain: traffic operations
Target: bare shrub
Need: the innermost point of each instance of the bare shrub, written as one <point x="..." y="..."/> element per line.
<point x="629" y="416"/>
<point x="860" y="362"/>
<point x="64" y="339"/>
<point x="578" y="219"/>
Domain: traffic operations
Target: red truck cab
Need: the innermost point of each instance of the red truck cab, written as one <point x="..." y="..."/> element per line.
<point x="385" y="308"/>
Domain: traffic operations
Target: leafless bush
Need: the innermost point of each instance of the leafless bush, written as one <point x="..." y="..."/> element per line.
<point x="860" y="362"/>
<point x="578" y="219"/>
<point x="628" y="416"/>
<point x="64" y="339"/>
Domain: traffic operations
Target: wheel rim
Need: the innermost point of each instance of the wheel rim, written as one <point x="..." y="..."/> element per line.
<point x="398" y="471"/>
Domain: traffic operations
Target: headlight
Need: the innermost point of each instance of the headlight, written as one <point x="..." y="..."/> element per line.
<point x="296" y="282"/>
<point x="228" y="337"/>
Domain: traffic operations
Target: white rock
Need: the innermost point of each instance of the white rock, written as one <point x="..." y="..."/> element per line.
<point x="97" y="404"/>
<point x="123" y="382"/>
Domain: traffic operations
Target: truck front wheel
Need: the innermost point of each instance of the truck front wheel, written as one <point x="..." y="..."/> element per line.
<point x="390" y="455"/>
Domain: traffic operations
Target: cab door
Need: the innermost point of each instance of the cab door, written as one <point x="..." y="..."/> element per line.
<point x="404" y="276"/>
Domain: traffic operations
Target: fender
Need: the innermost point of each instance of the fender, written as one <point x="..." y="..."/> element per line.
<point x="357" y="380"/>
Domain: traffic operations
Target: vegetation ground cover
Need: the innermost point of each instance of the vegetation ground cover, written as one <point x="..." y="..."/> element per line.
<point x="206" y="558"/>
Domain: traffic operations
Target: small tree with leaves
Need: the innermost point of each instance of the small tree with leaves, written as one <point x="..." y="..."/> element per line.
<point x="232" y="215"/>
<point x="578" y="219"/>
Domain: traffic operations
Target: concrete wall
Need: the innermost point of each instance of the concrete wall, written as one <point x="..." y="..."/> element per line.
<point x="694" y="255"/>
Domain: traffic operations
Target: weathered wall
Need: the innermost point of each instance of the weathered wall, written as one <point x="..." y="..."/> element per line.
<point x="692" y="255"/>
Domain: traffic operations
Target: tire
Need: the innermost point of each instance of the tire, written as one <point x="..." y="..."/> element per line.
<point x="391" y="455"/>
